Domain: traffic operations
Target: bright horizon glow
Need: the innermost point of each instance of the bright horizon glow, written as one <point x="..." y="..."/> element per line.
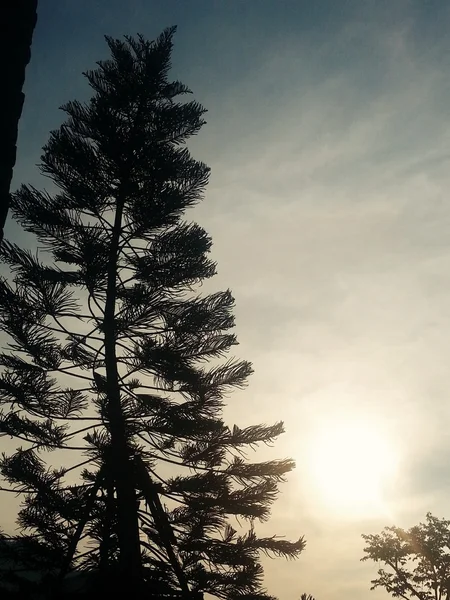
<point x="352" y="463"/>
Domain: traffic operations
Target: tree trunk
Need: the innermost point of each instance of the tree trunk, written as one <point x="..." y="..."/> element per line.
<point x="120" y="463"/>
<point x="18" y="20"/>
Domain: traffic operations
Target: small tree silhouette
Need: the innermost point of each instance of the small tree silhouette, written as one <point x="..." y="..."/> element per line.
<point x="416" y="562"/>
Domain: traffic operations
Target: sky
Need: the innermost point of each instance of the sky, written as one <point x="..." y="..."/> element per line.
<point x="328" y="137"/>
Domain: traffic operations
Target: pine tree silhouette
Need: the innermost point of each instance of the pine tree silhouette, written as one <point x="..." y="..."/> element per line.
<point x="115" y="357"/>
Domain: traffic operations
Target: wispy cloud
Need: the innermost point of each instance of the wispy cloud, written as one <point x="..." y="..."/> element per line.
<point x="330" y="218"/>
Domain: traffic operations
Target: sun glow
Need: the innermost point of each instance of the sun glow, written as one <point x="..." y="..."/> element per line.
<point x="352" y="464"/>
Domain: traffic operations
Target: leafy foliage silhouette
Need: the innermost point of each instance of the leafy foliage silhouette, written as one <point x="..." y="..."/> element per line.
<point x="417" y="559"/>
<point x="115" y="360"/>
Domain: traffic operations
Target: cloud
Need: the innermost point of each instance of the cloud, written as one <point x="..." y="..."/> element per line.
<point x="329" y="216"/>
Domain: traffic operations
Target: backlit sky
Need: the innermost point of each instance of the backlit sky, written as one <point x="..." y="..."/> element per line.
<point x="328" y="136"/>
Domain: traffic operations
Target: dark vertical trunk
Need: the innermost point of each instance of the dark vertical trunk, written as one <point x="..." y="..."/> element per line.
<point x="17" y="22"/>
<point x="120" y="464"/>
<point x="161" y="523"/>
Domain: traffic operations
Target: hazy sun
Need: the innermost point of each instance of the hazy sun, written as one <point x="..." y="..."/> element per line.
<point x="351" y="464"/>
